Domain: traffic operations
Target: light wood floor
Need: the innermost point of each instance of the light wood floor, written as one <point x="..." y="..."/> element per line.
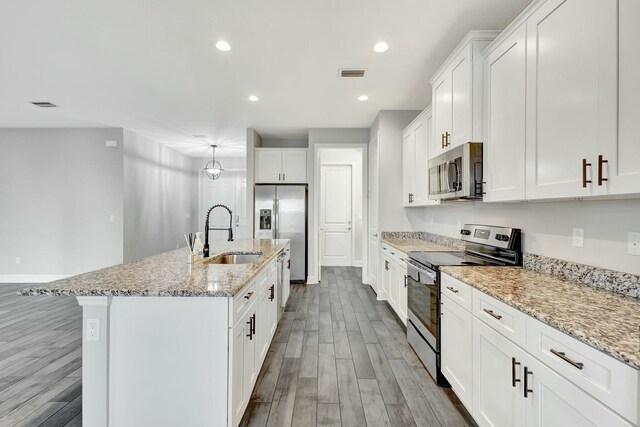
<point x="339" y="358"/>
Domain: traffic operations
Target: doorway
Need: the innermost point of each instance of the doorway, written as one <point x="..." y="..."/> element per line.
<point x="336" y="215"/>
<point x="341" y="204"/>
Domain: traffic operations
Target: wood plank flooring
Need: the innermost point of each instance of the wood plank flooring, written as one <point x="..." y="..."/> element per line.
<point x="40" y="360"/>
<point x="339" y="358"/>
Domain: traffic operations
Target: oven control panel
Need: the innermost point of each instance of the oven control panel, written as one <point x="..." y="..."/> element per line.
<point x="499" y="237"/>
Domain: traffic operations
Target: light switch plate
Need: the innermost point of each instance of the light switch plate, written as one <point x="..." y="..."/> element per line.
<point x="633" y="243"/>
<point x="93" y="329"/>
<point x="578" y="237"/>
<point x="112" y="144"/>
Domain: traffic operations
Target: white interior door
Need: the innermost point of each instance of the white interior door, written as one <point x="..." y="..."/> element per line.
<point x="336" y="215"/>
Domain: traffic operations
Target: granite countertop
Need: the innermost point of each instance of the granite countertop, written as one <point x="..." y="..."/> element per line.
<point x="414" y="245"/>
<point x="605" y="320"/>
<point x="169" y="274"/>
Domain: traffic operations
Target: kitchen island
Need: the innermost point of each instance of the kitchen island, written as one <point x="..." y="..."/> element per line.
<point x="167" y="342"/>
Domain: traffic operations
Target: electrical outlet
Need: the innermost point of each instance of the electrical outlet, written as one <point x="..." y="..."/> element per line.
<point x="93" y="329"/>
<point x="18" y="260"/>
<point x="633" y="243"/>
<point x="578" y="237"/>
<point x="111" y="144"/>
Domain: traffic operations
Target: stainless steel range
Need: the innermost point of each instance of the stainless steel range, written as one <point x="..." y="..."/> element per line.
<point x="485" y="246"/>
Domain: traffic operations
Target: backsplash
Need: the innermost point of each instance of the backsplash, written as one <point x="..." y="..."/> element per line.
<point x="615" y="281"/>
<point x="423" y="235"/>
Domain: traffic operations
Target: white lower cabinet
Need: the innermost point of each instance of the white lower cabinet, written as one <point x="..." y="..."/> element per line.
<point x="243" y="364"/>
<point x="456" y="349"/>
<point x="394" y="280"/>
<point x="497" y="379"/>
<point x="555" y="402"/>
<point x="509" y="372"/>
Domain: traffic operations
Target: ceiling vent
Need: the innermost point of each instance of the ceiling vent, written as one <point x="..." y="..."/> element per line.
<point x="352" y="72"/>
<point x="44" y="104"/>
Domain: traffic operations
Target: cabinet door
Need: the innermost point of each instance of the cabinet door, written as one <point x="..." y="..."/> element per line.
<point x="461" y="100"/>
<point x="268" y="166"/>
<point x="457" y="349"/>
<point x="408" y="172"/>
<point x="286" y="281"/>
<point x="374" y="261"/>
<point x="556" y="402"/>
<point x="272" y="320"/>
<point x="262" y="327"/>
<point x="428" y="130"/>
<point x="441" y="112"/>
<point x="420" y="163"/>
<point x="236" y="382"/>
<point x="249" y="356"/>
<point x="402" y="290"/>
<point x="294" y="166"/>
<point x="386" y="277"/>
<point x="623" y="167"/>
<point x="496" y="402"/>
<point x="394" y="286"/>
<point x="571" y="95"/>
<point x="505" y="90"/>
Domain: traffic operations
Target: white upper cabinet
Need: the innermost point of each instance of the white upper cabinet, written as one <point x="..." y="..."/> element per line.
<point x="623" y="155"/>
<point x="415" y="160"/>
<point x="505" y="96"/>
<point x="571" y="96"/>
<point x="457" y="94"/>
<point x="279" y="166"/>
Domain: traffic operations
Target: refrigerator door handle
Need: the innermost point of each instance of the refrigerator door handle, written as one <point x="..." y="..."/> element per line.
<point x="276" y="232"/>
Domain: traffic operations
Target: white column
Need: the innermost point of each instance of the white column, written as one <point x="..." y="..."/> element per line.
<point x="95" y="361"/>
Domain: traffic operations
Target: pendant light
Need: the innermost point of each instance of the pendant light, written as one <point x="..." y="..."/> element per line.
<point x="213" y="168"/>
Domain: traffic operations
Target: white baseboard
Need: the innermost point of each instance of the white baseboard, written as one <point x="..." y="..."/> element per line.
<point x="312" y="280"/>
<point x="31" y="278"/>
<point x="382" y="295"/>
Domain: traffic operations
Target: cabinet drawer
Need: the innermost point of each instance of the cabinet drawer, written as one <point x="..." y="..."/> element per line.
<point x="395" y="254"/>
<point x="458" y="292"/>
<point x="611" y="381"/>
<point x="241" y="302"/>
<point x="505" y="319"/>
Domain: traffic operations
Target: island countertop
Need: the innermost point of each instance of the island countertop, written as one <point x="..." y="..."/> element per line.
<point x="169" y="274"/>
<point x="605" y="320"/>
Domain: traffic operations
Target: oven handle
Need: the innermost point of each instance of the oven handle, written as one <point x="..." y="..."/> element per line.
<point x="422" y="270"/>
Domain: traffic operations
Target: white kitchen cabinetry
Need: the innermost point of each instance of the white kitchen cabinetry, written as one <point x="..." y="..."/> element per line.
<point x="505" y="97"/>
<point x="279" y="165"/>
<point x="457" y="94"/>
<point x="242" y="364"/>
<point x="394" y="280"/>
<point x="457" y="349"/>
<point x="571" y="96"/>
<point x="623" y="154"/>
<point x="567" y="382"/>
<point x="497" y="379"/>
<point x="415" y="159"/>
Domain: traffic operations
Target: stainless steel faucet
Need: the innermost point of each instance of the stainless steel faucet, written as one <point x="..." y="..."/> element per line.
<point x="205" y="251"/>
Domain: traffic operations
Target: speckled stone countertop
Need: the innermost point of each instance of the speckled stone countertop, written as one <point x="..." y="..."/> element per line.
<point x="169" y="274"/>
<point x="605" y="320"/>
<point x="413" y="245"/>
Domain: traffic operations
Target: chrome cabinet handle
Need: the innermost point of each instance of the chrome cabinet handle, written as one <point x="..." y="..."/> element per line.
<point x="455" y="291"/>
<point x="492" y="314"/>
<point x="446" y="139"/>
<point x="563" y="356"/>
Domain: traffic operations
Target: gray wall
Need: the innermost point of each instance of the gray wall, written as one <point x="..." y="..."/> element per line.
<point x="61" y="202"/>
<point x="548" y="227"/>
<point x="160" y="197"/>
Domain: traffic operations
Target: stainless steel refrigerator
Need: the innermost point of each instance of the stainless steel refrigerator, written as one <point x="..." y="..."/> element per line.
<point x="281" y="213"/>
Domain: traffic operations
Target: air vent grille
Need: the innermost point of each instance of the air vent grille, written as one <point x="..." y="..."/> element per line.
<point x="44" y="104"/>
<point x="352" y="72"/>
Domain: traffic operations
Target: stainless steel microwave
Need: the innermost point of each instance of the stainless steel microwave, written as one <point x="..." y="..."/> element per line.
<point x="457" y="174"/>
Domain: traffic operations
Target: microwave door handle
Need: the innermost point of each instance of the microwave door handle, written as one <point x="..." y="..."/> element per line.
<point x="446" y="176"/>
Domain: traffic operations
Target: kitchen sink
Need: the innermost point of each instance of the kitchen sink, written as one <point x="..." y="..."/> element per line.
<point x="231" y="258"/>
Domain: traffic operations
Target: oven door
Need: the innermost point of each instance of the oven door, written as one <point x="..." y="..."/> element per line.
<point x="422" y="299"/>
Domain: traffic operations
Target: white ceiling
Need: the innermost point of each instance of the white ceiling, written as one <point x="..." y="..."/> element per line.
<point x="151" y="65"/>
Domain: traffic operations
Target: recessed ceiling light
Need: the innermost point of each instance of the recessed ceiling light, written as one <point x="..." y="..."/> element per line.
<point x="363" y="98"/>
<point x="223" y="46"/>
<point x="254" y="98"/>
<point x="381" y="47"/>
